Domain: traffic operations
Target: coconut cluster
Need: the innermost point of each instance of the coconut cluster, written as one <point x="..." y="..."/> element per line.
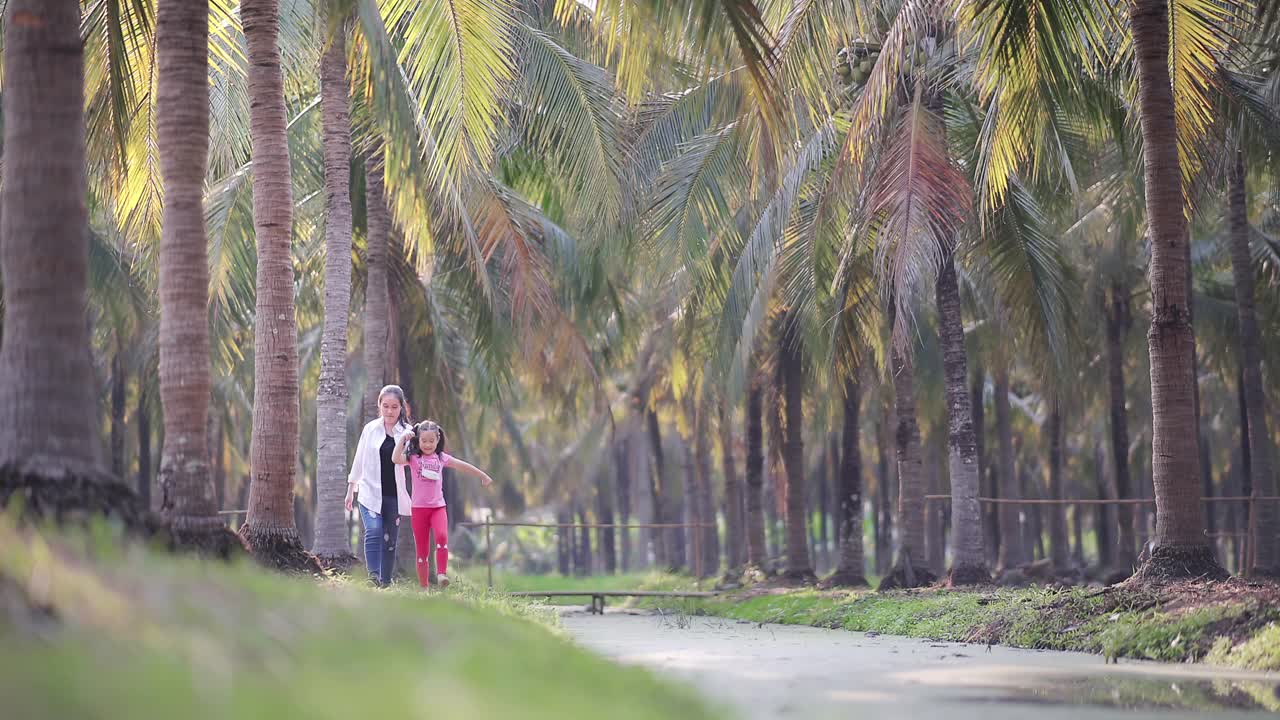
<point x="854" y="63"/>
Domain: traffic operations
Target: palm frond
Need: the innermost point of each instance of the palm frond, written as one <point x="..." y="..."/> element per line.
<point x="665" y="124"/>
<point x="1028" y="61"/>
<point x="695" y="197"/>
<point x="1023" y="265"/>
<point x="458" y="61"/>
<point x="572" y="114"/>
<point x="712" y="36"/>
<point x="755" y="273"/>
<point x="419" y="181"/>
<point x="916" y="201"/>
<point x="1201" y="33"/>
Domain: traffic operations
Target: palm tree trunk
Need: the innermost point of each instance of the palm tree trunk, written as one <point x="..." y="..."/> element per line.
<point x="969" y="562"/>
<point x="188" y="498"/>
<point x="376" y="288"/>
<point x="775" y="480"/>
<point x="791" y="359"/>
<point x="828" y="490"/>
<point x="909" y="569"/>
<point x="757" y="553"/>
<point x="564" y="543"/>
<point x="885" y="482"/>
<point x="1118" y="320"/>
<point x="663" y="543"/>
<point x="734" y="514"/>
<point x="1058" y="543"/>
<point x="692" y="509"/>
<point x="1246" y="460"/>
<point x="118" y="386"/>
<point x="709" y="543"/>
<point x="851" y="568"/>
<point x="990" y="526"/>
<point x="144" y="448"/>
<point x="622" y="464"/>
<point x="1012" y="550"/>
<point x="332" y="545"/>
<point x="219" y="462"/>
<point x="1262" y="453"/>
<point x="1180" y="547"/>
<point x="1077" y="533"/>
<point x="45" y="358"/>
<point x="582" y="559"/>
<point x="269" y="528"/>
<point x="935" y="540"/>
<point x="604" y="514"/>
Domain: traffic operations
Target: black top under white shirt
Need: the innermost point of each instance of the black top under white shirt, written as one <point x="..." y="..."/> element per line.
<point x="388" y="467"/>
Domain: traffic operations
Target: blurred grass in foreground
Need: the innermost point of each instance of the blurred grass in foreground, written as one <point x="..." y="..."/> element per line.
<point x="90" y="628"/>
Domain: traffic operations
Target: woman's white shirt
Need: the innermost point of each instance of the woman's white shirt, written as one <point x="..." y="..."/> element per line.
<point x="366" y="469"/>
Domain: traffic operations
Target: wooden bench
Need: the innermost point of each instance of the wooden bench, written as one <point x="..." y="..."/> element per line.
<point x="598" y="596"/>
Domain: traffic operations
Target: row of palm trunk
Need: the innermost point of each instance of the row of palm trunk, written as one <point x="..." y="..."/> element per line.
<point x="46" y="381"/>
<point x="45" y="374"/>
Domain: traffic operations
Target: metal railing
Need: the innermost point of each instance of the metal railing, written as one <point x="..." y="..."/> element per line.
<point x="489" y="524"/>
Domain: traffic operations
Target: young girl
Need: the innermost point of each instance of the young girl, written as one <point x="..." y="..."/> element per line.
<point x="422" y="449"/>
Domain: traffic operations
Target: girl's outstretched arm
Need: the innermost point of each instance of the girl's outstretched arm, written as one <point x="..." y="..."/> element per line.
<point x="398" y="455"/>
<point x="470" y="469"/>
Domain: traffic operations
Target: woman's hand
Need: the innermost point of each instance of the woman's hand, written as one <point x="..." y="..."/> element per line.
<point x="351" y="497"/>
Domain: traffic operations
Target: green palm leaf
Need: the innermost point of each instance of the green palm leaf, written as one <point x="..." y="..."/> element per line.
<point x="458" y="58"/>
<point x="572" y="114"/>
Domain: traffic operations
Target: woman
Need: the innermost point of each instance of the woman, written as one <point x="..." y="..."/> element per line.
<point x="375" y="483"/>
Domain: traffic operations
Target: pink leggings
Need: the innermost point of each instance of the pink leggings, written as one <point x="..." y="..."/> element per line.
<point x="425" y="519"/>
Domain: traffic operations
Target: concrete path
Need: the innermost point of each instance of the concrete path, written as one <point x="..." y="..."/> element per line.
<point x="774" y="671"/>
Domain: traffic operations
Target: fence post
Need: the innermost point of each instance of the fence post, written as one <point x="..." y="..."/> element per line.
<point x="488" y="546"/>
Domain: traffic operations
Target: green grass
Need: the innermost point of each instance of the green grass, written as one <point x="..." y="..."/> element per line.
<point x="507" y="582"/>
<point x="135" y="633"/>
<point x="1128" y="624"/>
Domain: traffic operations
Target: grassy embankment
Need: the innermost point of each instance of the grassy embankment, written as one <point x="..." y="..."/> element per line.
<point x="1233" y="624"/>
<point x="90" y="628"/>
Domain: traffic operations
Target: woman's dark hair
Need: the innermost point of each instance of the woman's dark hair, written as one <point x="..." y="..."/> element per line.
<point x="427" y="426"/>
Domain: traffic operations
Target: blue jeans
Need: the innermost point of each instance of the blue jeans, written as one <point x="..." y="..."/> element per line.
<point x="380" y="539"/>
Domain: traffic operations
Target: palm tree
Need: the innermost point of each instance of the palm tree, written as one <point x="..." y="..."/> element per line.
<point x="850" y="569"/>
<point x="1026" y="64"/>
<point x="969" y="565"/>
<point x="269" y="528"/>
<point x="735" y="512"/>
<point x="1012" y="552"/>
<point x="1118" y="320"/>
<point x="50" y="446"/>
<point x="791" y="372"/>
<point x="188" y="498"/>
<point x="1181" y="549"/>
<point x="1057" y="515"/>
<point x="909" y="568"/>
<point x="757" y="554"/>
<point x="1261" y="452"/>
<point x="332" y="545"/>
